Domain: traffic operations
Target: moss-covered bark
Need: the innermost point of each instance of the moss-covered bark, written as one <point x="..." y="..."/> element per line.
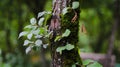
<point x="68" y="57"/>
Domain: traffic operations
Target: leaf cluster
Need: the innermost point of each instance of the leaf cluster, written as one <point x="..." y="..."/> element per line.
<point x="37" y="32"/>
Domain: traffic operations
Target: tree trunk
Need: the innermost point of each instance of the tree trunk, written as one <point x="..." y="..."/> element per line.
<point x="112" y="36"/>
<point x="8" y="32"/>
<point x="58" y="25"/>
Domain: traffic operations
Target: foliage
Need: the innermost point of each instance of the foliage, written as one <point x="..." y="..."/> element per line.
<point x="66" y="47"/>
<point x="65" y="34"/>
<point x="75" y="5"/>
<point x="37" y="32"/>
<point x="91" y="63"/>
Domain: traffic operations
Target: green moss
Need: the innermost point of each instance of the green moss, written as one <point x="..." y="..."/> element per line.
<point x="69" y="57"/>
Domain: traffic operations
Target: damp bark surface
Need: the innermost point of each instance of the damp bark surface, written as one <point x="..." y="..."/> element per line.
<point x="58" y="25"/>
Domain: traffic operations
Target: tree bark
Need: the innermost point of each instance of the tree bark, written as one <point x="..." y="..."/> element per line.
<point x="8" y="32"/>
<point x="58" y="25"/>
<point x="112" y="36"/>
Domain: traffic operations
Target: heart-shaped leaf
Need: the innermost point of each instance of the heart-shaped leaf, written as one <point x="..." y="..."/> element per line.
<point x="40" y="22"/>
<point x="45" y="46"/>
<point x="33" y="21"/>
<point x="75" y="4"/>
<point x="28" y="49"/>
<point x="38" y="36"/>
<point x="29" y="36"/>
<point x="35" y="32"/>
<point x="38" y="43"/>
<point x="26" y="42"/>
<point x="65" y="10"/>
<point x="22" y="34"/>
<point x="28" y="26"/>
<point x="60" y="49"/>
<point x="69" y="47"/>
<point x="41" y="14"/>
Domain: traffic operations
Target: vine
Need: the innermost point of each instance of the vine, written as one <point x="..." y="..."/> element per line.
<point x="37" y="32"/>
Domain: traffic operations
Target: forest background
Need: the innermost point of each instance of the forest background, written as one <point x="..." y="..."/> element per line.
<point x="96" y="15"/>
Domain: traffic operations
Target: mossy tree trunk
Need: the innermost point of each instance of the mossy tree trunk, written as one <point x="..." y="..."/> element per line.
<point x="58" y="25"/>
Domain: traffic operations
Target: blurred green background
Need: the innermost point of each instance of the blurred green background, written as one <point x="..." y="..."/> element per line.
<point x="96" y="15"/>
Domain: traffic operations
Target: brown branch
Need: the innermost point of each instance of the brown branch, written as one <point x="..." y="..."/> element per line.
<point x="114" y="29"/>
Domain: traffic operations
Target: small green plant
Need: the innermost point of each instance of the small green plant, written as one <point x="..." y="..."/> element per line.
<point x="37" y="33"/>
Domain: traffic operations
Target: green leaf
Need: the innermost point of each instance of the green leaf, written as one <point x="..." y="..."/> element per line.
<point x="29" y="36"/>
<point x="65" y="10"/>
<point x="28" y="26"/>
<point x="35" y="32"/>
<point x="49" y="34"/>
<point x="95" y="64"/>
<point x="91" y="63"/>
<point x="57" y="38"/>
<point x="40" y="22"/>
<point x="23" y="34"/>
<point x="66" y="33"/>
<point x="48" y="12"/>
<point x="28" y="49"/>
<point x="38" y="43"/>
<point x="26" y="42"/>
<point x="38" y="36"/>
<point x="45" y="46"/>
<point x="87" y="62"/>
<point x="34" y="27"/>
<point x="33" y="21"/>
<point x="75" y="4"/>
<point x="73" y="65"/>
<point x="40" y="14"/>
<point x="69" y="47"/>
<point x="60" y="49"/>
<point x="42" y="31"/>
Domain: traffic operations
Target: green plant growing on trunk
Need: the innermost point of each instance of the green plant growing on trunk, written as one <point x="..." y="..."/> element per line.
<point x="59" y="29"/>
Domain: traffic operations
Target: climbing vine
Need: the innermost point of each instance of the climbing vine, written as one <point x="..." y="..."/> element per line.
<point x="37" y="33"/>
